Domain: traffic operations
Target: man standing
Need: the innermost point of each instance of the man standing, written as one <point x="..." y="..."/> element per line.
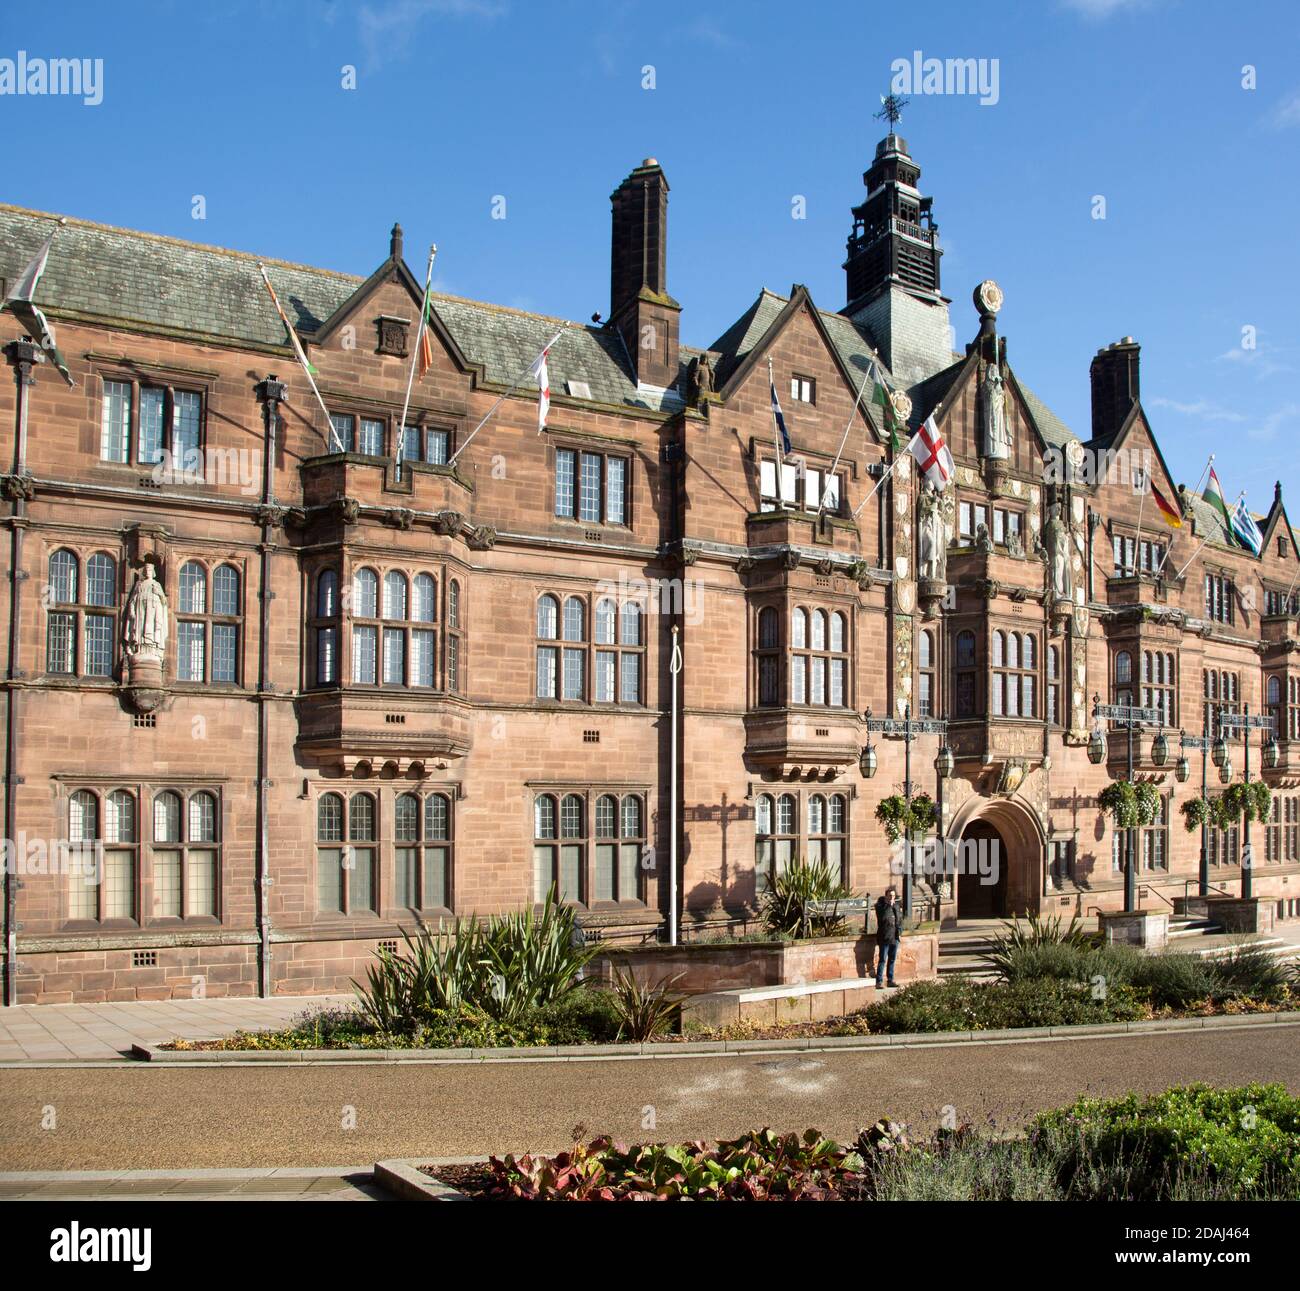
<point x="889" y="930"/>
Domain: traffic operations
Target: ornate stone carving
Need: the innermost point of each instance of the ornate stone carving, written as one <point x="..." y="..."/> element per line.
<point x="19" y="487"/>
<point x="392" y="335"/>
<point x="745" y="564"/>
<point x="824" y="567"/>
<point x="791" y="560"/>
<point x="1056" y="551"/>
<point x="146" y="620"/>
<point x="701" y="379"/>
<point x="482" y="538"/>
<point x="447" y="523"/>
<point x="348" y="510"/>
<point x="269" y="516"/>
<point x="989" y="588"/>
<point x="932" y="533"/>
<point x="399" y="517"/>
<point x="688" y="556"/>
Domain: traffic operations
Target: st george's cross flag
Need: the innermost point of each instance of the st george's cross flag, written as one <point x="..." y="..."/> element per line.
<point x="932" y="455"/>
<point x="1247" y="531"/>
<point x="543" y="378"/>
<point x="19" y="300"/>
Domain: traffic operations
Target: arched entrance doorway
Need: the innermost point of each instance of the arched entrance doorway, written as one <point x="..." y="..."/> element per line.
<point x="981" y="892"/>
<point x="1001" y="861"/>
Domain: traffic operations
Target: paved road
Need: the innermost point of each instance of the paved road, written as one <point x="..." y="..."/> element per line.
<point x="135" y="1116"/>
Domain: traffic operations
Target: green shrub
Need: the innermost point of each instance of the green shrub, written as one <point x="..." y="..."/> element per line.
<point x="1192" y="1141"/>
<point x="505" y="967"/>
<point x="1035" y="933"/>
<point x="1175" y="980"/>
<point x="644" y="1011"/>
<point x="1248" y="971"/>
<point x="786" y="905"/>
<point x="959" y="1004"/>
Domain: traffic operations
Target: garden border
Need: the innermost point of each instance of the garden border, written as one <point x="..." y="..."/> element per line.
<point x="705" y="1048"/>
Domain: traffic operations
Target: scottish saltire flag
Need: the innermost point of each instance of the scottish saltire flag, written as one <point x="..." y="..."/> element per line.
<point x="786" y="447"/>
<point x="1244" y="526"/>
<point x="543" y="377"/>
<point x="932" y="455"/>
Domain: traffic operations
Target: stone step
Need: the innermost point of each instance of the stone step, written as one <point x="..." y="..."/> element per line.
<point x="793" y="1002"/>
<point x="1193" y="927"/>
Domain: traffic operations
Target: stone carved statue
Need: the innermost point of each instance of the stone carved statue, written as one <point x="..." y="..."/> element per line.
<point x="145" y="622"/>
<point x="932" y="535"/>
<point x="1056" y="549"/>
<point x="997" y="438"/>
<point x="701" y="378"/>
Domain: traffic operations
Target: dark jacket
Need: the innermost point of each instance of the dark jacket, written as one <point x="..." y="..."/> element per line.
<point x="889" y="921"/>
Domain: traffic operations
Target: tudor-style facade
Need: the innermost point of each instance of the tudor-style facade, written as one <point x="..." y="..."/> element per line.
<point x="395" y="687"/>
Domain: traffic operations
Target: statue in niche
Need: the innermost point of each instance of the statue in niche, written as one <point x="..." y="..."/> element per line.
<point x="997" y="438"/>
<point x="932" y="535"/>
<point x="701" y="378"/>
<point x="146" y="619"/>
<point x="1056" y="550"/>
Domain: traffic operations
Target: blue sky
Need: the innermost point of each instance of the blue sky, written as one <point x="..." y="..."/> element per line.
<point x="459" y="101"/>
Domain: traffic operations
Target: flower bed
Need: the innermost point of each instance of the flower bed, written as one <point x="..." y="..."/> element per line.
<point x="1189" y="1143"/>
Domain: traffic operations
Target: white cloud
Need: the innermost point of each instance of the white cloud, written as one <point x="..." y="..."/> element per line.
<point x="1202" y="408"/>
<point x="1100" y="10"/>
<point x="1271" y="424"/>
<point x="1286" y="115"/>
<point x="386" y="29"/>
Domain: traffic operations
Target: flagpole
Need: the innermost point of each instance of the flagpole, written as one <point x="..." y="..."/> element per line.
<point x="1137" y="542"/>
<point x="296" y="345"/>
<point x="674" y="671"/>
<point x="1202" y="543"/>
<point x="1205" y="470"/>
<point x="866" y="376"/>
<point x="451" y="461"/>
<point x="415" y="357"/>
<point x="776" y="439"/>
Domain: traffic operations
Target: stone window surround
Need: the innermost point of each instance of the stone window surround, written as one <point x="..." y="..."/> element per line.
<point x="384" y="844"/>
<point x="588" y="840"/>
<point x="144" y="791"/>
<point x="785" y="604"/>
<point x="605" y="449"/>
<point x="590" y="648"/>
<point x="80" y="606"/>
<point x="148" y="376"/>
<point x="177" y="559"/>
<point x="345" y="566"/>
<point x="770" y="842"/>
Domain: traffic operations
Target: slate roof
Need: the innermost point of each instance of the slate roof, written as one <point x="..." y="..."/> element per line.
<point x="101" y="273"/>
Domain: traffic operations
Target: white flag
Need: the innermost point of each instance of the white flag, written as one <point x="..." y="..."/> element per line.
<point x="932" y="455"/>
<point x="543" y="378"/>
<point x="24" y="287"/>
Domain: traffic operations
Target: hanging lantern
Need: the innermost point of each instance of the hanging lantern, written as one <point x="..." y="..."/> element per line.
<point x="1225" y="771"/>
<point x="943" y="762"/>
<point x="1219" y="751"/>
<point x="1271" y="753"/>
<point x="1096" y="747"/>
<point x="1182" y="769"/>
<point x="867" y="761"/>
<point x="1159" y="750"/>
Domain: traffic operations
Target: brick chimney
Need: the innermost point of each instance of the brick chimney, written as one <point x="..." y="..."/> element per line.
<point x="1115" y="390"/>
<point x="640" y="307"/>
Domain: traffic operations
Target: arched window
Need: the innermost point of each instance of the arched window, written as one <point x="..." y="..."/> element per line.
<point x="817" y="675"/>
<point x="606" y="620"/>
<point x="838" y="636"/>
<point x="63" y="578"/>
<point x="422" y="874"/>
<point x="999" y="650"/>
<point x="1123" y="668"/>
<point x="1158" y="690"/>
<point x="965" y="686"/>
<point x="425" y="609"/>
<point x="776" y="837"/>
<point x="365" y="635"/>
<point x="925" y="676"/>
<point x="453" y="604"/>
<point x="768" y="656"/>
<point x="630" y="624"/>
<point x="394" y="595"/>
<point x="1014" y="683"/>
<point x="548" y="615"/>
<point x="559" y="864"/>
<point x="78" y="620"/>
<point x="828" y="832"/>
<point x="1054" y="685"/>
<point x="455" y="647"/>
<point x="119" y="817"/>
<point x="575" y="620"/>
<point x="345" y="872"/>
<point x="1027" y="652"/>
<point x="365" y="594"/>
<point x="185" y="855"/>
<point x="193" y="588"/>
<point x="763" y="815"/>
<point x="202" y="623"/>
<point x="101" y="580"/>
<point x="326" y="628"/>
<point x="104" y="890"/>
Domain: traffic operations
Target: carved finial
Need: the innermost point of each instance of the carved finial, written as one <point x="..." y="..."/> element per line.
<point x="891" y="110"/>
<point x="395" y="243"/>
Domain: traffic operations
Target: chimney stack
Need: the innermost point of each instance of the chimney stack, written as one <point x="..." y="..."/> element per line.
<point x="1115" y="389"/>
<point x="640" y="307"/>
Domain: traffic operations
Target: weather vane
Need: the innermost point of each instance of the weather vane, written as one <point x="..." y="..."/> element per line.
<point x="891" y="109"/>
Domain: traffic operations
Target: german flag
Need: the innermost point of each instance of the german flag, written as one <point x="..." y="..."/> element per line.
<point x="1173" y="517"/>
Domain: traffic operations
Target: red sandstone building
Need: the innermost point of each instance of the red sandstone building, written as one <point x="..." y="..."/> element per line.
<point x="382" y="691"/>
